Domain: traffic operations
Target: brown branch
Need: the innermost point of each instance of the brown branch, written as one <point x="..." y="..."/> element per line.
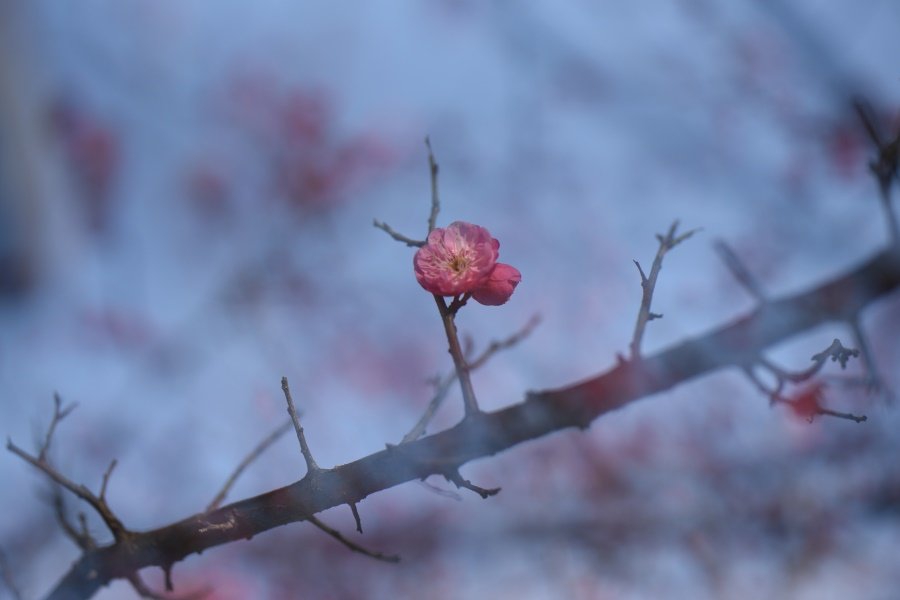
<point x="808" y="401"/>
<point x="648" y="285"/>
<point x="311" y="466"/>
<point x="456" y="479"/>
<point x="735" y="345"/>
<point x="396" y="235"/>
<point x="435" y="198"/>
<point x="470" y="403"/>
<point x="59" y="413"/>
<point x="886" y="165"/>
<point x="442" y="385"/>
<point x="391" y="558"/>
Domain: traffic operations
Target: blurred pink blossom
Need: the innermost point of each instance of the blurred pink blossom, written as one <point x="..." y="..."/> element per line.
<point x="462" y="259"/>
<point x="499" y="286"/>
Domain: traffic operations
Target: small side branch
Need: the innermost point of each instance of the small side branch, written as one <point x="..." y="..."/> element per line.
<point x="311" y="466"/>
<point x="740" y="271"/>
<point x="40" y="462"/>
<point x="885" y="167"/>
<point x="470" y="403"/>
<point x="442" y="385"/>
<point x="396" y="235"/>
<point x="648" y="285"/>
<point x="807" y="402"/>
<point x="454" y="477"/>
<point x="435" y="198"/>
<point x="59" y="413"/>
<point x="391" y="558"/>
<point x="252" y="456"/>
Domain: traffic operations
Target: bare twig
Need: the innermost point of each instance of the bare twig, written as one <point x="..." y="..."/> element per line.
<point x="739" y="270"/>
<point x="81" y="538"/>
<point x="836" y="352"/>
<point x="808" y="401"/>
<point x="470" y="403"/>
<point x="456" y="479"/>
<point x="435" y="198"/>
<point x="311" y="465"/>
<point x="885" y="167"/>
<point x="648" y="284"/>
<point x="98" y="504"/>
<point x="6" y="577"/>
<point x="442" y="385"/>
<point x="396" y="235"/>
<point x="356" y="517"/>
<point x="106" y="476"/>
<point x="391" y="558"/>
<point x="40" y="462"/>
<point x="59" y="413"/>
<point x="253" y="455"/>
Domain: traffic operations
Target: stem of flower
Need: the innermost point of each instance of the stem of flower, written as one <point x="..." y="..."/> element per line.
<point x="459" y="361"/>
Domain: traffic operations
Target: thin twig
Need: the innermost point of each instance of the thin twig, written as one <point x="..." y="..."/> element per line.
<point x="442" y="385"/>
<point x="311" y="465"/>
<point x="648" y="285"/>
<point x="391" y="558"/>
<point x="470" y="403"/>
<point x="739" y="270"/>
<point x="808" y="401"/>
<point x="84" y="542"/>
<point x="252" y="456"/>
<point x="435" y="198"/>
<point x="106" y="476"/>
<point x="396" y="235"/>
<point x="99" y="505"/>
<point x="59" y="413"/>
<point x="885" y="167"/>
<point x="456" y="479"/>
<point x="836" y="352"/>
<point x="356" y="517"/>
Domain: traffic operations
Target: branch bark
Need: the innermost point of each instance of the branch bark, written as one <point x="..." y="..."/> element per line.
<point x="483" y="434"/>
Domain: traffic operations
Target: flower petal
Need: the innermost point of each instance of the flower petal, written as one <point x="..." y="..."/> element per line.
<point x="499" y="286"/>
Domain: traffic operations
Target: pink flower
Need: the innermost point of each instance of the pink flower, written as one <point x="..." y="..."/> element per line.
<point x="462" y="259"/>
<point x="456" y="260"/>
<point x="499" y="286"/>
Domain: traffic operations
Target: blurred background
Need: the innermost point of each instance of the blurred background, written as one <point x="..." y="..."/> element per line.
<point x="186" y="200"/>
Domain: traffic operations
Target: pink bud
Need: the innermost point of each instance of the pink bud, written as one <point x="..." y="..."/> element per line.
<point x="499" y="286"/>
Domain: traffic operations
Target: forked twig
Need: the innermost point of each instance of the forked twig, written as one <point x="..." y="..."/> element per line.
<point x="443" y="385"/>
<point x="648" y="284"/>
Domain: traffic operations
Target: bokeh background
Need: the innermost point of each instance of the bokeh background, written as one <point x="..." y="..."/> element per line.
<point x="186" y="200"/>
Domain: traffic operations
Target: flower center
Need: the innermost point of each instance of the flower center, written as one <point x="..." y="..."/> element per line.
<point x="458" y="264"/>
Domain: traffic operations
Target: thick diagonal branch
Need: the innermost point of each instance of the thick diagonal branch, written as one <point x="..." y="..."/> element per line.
<point x="738" y="344"/>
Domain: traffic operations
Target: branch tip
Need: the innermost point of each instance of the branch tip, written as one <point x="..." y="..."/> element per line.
<point x="356" y="516"/>
<point x="311" y="466"/>
<point x="456" y="479"/>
